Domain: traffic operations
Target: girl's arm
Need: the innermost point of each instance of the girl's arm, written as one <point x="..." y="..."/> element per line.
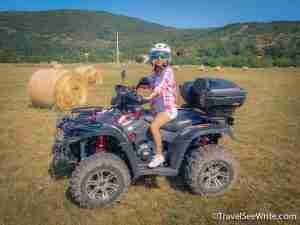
<point x="165" y="83"/>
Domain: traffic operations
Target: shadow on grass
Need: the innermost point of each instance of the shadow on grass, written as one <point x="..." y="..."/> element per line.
<point x="54" y="109"/>
<point x="70" y="197"/>
<point x="149" y="181"/>
<point x="177" y="183"/>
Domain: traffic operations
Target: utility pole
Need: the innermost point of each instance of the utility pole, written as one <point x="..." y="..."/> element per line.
<point x="117" y="49"/>
<point x="86" y="57"/>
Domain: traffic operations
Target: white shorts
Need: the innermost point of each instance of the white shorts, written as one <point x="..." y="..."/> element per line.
<point x="172" y="114"/>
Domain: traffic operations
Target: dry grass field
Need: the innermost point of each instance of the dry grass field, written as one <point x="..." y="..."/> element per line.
<point x="267" y="126"/>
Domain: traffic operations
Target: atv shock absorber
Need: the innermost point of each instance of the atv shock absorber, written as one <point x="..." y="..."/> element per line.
<point x="101" y="142"/>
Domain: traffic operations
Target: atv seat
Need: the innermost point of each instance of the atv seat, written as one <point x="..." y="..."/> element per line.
<point x="179" y="123"/>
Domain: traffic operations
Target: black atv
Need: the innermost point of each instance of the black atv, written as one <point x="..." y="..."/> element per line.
<point x="105" y="149"/>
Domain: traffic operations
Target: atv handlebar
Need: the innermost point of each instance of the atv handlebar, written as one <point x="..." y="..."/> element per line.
<point x="125" y="96"/>
<point x="130" y="93"/>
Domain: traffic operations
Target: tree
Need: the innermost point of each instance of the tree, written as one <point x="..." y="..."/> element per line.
<point x="8" y="56"/>
<point x="264" y="62"/>
<point x="283" y="62"/>
<point x="297" y="60"/>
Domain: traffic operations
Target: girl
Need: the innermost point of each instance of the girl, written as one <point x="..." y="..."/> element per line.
<point x="163" y="97"/>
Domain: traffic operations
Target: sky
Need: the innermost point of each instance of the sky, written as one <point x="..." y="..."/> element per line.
<point x="180" y="14"/>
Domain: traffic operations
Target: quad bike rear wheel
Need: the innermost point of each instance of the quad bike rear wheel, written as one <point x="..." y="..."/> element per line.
<point x="210" y="170"/>
<point x="99" y="181"/>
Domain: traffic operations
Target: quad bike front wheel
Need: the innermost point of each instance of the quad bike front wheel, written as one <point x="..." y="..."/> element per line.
<point x="210" y="170"/>
<point x="99" y="181"/>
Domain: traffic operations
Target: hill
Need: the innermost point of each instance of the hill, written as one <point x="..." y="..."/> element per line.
<point x="65" y="35"/>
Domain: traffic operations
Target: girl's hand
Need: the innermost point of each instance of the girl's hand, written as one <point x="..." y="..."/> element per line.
<point x="154" y="94"/>
<point x="148" y="98"/>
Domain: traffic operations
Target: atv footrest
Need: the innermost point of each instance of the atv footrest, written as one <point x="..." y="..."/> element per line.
<point x="163" y="171"/>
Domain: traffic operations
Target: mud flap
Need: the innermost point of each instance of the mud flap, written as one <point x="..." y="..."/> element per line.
<point x="231" y="134"/>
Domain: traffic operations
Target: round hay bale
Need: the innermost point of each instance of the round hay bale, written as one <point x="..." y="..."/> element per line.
<point x="58" y="88"/>
<point x="176" y="67"/>
<point x="218" y="68"/>
<point x="57" y="66"/>
<point x="245" y="68"/>
<point x="89" y="74"/>
<point x="202" y="68"/>
<point x="53" y="63"/>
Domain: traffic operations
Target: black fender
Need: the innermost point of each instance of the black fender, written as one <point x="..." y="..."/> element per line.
<point x="114" y="131"/>
<point x="184" y="139"/>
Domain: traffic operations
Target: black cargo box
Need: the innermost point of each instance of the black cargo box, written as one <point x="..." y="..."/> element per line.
<point x="216" y="97"/>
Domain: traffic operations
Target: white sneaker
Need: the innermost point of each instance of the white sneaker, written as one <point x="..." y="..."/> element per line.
<point x="156" y="161"/>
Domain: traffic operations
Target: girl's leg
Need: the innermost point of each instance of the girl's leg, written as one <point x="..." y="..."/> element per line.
<point x="160" y="119"/>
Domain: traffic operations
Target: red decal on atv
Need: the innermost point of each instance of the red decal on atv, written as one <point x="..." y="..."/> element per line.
<point x="100" y="143"/>
<point x="131" y="136"/>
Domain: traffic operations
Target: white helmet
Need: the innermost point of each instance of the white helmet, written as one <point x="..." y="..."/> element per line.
<point x="160" y="50"/>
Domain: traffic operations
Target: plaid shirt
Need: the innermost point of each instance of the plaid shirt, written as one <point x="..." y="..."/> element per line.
<point x="166" y="88"/>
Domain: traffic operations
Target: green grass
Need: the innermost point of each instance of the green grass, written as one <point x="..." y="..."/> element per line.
<point x="268" y="151"/>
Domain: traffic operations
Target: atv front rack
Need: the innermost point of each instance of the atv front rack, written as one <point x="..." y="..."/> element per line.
<point x="87" y="109"/>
